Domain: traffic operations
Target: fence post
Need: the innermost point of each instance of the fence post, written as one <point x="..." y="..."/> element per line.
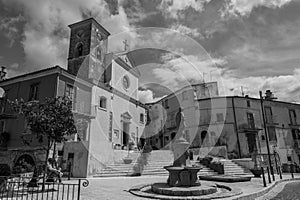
<point x="78" y="193"/>
<point x="263" y="176"/>
<point x="269" y="177"/>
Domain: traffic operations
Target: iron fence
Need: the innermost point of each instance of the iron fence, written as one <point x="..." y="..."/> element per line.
<point x="21" y="188"/>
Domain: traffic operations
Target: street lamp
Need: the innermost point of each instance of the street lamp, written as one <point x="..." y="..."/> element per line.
<point x="266" y="134"/>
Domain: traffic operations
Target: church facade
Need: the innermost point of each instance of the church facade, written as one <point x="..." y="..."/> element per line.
<point x="103" y="87"/>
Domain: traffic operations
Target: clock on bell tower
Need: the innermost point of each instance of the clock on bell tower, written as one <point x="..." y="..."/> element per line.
<point x="87" y="51"/>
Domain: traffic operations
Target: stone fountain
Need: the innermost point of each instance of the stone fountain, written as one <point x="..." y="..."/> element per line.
<point x="183" y="182"/>
<point x="181" y="173"/>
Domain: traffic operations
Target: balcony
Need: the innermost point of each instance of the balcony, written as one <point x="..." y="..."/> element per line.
<point x="271" y="120"/>
<point x="248" y="128"/>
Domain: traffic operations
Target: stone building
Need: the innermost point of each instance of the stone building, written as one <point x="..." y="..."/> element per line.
<point x="103" y="87"/>
<point x="228" y="126"/>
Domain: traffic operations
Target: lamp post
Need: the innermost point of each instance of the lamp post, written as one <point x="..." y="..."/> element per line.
<point x="266" y="134"/>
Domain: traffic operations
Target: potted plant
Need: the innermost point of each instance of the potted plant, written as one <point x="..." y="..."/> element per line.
<point x="127" y="159"/>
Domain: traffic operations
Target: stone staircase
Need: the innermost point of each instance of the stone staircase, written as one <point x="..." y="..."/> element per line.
<point x="156" y="161"/>
<point x="232" y="168"/>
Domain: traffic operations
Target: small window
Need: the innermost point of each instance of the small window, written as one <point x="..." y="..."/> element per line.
<point x="2" y="126"/>
<point x="220" y="117"/>
<point x="34" y="92"/>
<point x="102" y="102"/>
<point x="70" y="91"/>
<point x="142" y="118"/>
<point x="262" y="137"/>
<point x="272" y="133"/>
<point x="79" y="50"/>
<point x="289" y="158"/>
<point x="166" y="104"/>
<point x="248" y="104"/>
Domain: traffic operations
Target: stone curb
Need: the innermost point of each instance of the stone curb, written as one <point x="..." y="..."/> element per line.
<point x="264" y="191"/>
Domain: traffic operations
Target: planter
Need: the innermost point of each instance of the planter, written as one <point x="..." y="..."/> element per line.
<point x="127" y="160"/>
<point x="218" y="167"/>
<point x="256" y="172"/>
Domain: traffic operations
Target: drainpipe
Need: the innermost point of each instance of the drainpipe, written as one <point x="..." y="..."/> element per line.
<point x="265" y="128"/>
<point x="236" y="128"/>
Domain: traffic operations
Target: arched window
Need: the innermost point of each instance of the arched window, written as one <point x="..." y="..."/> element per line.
<point x="203" y="135"/>
<point x="102" y="102"/>
<point x="79" y="50"/>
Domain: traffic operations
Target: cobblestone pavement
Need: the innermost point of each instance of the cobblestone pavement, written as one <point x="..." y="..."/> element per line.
<point x="291" y="191"/>
<point x="117" y="188"/>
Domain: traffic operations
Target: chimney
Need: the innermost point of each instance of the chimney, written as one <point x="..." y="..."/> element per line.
<point x="269" y="95"/>
<point x="3" y="73"/>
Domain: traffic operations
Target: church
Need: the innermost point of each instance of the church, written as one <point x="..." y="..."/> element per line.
<point x="119" y="117"/>
<point x="103" y="87"/>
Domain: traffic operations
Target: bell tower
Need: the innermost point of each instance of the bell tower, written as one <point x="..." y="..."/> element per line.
<point x="87" y="51"/>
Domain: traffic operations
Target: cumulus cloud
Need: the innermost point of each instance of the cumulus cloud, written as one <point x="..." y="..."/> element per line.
<point x="244" y="7"/>
<point x="172" y="8"/>
<point x="9" y="26"/>
<point x="147" y="96"/>
<point x="180" y="71"/>
<point x="46" y="35"/>
<point x="193" y="32"/>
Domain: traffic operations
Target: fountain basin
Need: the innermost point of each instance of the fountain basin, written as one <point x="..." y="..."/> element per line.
<point x="205" y="191"/>
<point x="165" y="189"/>
<point x="183" y="176"/>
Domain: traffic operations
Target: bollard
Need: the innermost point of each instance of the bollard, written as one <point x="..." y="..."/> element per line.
<point x="69" y="169"/>
<point x="279" y="170"/>
<point x="273" y="176"/>
<point x="292" y="170"/>
<point x="269" y="176"/>
<point x="263" y="176"/>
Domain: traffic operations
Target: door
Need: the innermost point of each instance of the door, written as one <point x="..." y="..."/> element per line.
<point x="125" y="134"/>
<point x="251" y="139"/>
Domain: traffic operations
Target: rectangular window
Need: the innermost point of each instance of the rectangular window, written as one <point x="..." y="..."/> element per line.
<point x="220" y="117"/>
<point x="34" y="92"/>
<point x="71" y="93"/>
<point x="110" y="126"/>
<point x="248" y="104"/>
<point x="102" y="102"/>
<point x="250" y="119"/>
<point x="166" y="104"/>
<point x="142" y="118"/>
<point x="172" y="122"/>
<point x="292" y="114"/>
<point x="187" y="135"/>
<point x="2" y="126"/>
<point x="272" y="133"/>
<point x="269" y="115"/>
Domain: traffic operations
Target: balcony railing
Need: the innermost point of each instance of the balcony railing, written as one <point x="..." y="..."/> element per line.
<point x="271" y="119"/>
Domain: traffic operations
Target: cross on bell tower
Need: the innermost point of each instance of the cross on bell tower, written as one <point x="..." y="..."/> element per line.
<point x="126" y="45"/>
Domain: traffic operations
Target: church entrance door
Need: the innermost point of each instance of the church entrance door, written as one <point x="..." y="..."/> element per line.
<point x="125" y="134"/>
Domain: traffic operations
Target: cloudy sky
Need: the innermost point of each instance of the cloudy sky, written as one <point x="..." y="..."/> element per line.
<point x="254" y="44"/>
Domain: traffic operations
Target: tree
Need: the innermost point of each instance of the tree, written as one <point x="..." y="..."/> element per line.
<point x="51" y="119"/>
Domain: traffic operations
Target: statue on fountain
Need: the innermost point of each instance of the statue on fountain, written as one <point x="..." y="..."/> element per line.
<point x="180" y="174"/>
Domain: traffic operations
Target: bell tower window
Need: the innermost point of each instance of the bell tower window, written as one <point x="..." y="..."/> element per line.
<point x="79" y="50"/>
